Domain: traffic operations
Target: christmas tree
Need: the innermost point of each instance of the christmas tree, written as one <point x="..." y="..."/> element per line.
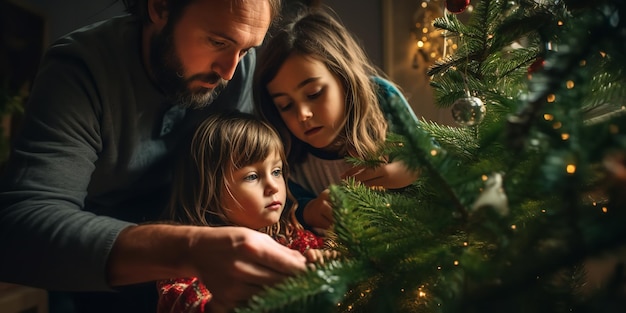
<point x="511" y="204"/>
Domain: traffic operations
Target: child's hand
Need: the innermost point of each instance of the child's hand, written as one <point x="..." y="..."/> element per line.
<point x="318" y="255"/>
<point x="318" y="213"/>
<point x="392" y="175"/>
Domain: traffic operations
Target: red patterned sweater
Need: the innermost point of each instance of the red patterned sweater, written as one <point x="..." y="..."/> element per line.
<point x="189" y="295"/>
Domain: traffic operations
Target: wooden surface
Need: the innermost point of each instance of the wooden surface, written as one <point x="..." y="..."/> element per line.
<point x="18" y="299"/>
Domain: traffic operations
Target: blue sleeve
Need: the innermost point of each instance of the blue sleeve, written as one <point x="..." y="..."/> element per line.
<point x="387" y="92"/>
<point x="303" y="197"/>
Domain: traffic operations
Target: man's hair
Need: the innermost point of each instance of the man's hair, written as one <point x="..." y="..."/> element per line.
<point x="139" y="8"/>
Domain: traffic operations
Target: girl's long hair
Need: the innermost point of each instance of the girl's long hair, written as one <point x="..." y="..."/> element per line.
<point x="317" y="33"/>
<point x="223" y="143"/>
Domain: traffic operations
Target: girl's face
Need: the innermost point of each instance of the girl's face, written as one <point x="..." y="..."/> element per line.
<point x="257" y="193"/>
<point x="310" y="99"/>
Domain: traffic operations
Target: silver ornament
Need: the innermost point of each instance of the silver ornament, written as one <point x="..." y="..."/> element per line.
<point x="468" y="111"/>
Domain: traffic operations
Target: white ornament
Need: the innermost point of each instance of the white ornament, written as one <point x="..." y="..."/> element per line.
<point x="493" y="196"/>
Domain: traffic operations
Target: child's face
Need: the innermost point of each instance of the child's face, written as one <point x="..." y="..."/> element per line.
<point x="310" y="99"/>
<point x="257" y="194"/>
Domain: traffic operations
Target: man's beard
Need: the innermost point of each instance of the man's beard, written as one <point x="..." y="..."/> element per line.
<point x="168" y="72"/>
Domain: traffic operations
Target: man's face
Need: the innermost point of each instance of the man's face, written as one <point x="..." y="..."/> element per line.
<point x="192" y="58"/>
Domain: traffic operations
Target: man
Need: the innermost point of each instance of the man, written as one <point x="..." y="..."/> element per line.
<point x="91" y="165"/>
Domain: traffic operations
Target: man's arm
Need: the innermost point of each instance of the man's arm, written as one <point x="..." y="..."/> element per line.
<point x="233" y="262"/>
<point x="48" y="240"/>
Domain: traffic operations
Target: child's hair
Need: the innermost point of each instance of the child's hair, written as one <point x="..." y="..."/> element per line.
<point x="223" y="143"/>
<point x="316" y="33"/>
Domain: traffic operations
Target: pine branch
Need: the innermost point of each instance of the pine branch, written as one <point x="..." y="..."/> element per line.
<point x="317" y="290"/>
<point x="459" y="142"/>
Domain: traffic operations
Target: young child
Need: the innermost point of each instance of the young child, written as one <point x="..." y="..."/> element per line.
<point x="315" y="84"/>
<point x="234" y="172"/>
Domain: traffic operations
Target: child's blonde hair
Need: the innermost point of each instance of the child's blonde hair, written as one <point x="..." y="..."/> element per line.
<point x="315" y="33"/>
<point x="223" y="143"/>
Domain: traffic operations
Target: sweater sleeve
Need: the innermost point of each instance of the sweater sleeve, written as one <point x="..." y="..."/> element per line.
<point x="182" y="295"/>
<point x="388" y="92"/>
<point x="52" y="242"/>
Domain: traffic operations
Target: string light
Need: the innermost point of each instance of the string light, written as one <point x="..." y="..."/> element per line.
<point x="431" y="42"/>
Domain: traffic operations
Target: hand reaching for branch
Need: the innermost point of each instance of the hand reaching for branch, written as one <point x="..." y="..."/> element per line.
<point x="392" y="175"/>
<point x="318" y="213"/>
<point x="235" y="263"/>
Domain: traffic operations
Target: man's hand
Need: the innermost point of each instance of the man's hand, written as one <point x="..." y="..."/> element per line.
<point x="235" y="263"/>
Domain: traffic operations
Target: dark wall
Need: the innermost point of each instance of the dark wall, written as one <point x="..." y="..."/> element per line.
<point x="63" y="16"/>
<point x="364" y="19"/>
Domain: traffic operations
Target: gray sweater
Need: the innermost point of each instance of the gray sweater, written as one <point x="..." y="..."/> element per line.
<point x="94" y="156"/>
